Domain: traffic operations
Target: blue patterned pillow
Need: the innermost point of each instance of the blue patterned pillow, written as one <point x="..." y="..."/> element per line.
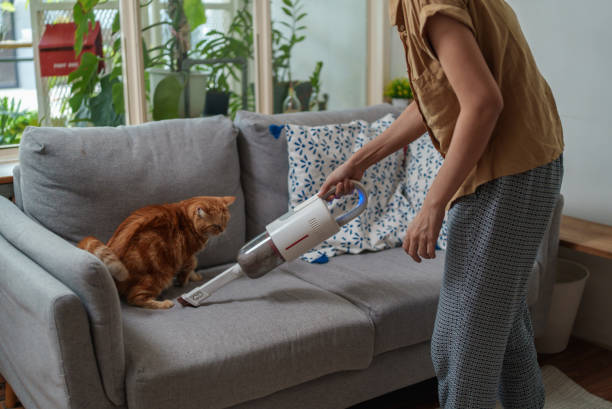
<point x="422" y="166"/>
<point x="315" y="151"/>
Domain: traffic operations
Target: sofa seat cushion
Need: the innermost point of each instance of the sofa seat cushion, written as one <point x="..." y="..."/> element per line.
<point x="399" y="295"/>
<point x="253" y="338"/>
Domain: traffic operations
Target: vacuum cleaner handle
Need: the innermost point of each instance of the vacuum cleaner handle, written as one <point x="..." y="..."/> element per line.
<point x="356" y="211"/>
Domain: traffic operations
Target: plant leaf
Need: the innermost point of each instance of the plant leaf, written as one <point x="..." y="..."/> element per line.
<point x="195" y="13"/>
<point x="116" y="24"/>
<point x="166" y="98"/>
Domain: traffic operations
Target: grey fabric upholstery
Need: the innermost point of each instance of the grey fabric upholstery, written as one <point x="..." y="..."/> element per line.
<point x="86" y="276"/>
<point x="17" y="186"/>
<point x="85" y="181"/>
<point x="388" y="372"/>
<point x="399" y="295"/>
<point x="46" y="354"/>
<point x="263" y="160"/>
<point x="253" y="338"/>
<point x="547" y="259"/>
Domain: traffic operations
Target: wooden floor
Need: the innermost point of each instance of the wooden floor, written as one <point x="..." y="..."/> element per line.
<point x="588" y="365"/>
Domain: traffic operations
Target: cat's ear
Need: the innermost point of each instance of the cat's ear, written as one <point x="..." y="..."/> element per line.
<point x="229" y="200"/>
<point x="201" y="213"/>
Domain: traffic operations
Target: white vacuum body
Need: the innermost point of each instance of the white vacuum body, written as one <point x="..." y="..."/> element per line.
<point x="285" y="239"/>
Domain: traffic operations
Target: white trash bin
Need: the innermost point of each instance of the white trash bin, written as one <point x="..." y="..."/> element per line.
<point x="567" y="293"/>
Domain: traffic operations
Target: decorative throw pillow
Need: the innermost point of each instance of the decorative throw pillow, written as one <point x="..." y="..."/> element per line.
<point x="314" y="152"/>
<point x="422" y="166"/>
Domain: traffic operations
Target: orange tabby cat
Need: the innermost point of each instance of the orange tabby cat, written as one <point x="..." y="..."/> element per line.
<point x="155" y="242"/>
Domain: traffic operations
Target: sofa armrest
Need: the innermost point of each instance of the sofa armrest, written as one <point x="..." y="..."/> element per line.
<point x="47" y="353"/>
<point x="547" y="260"/>
<point x="85" y="276"/>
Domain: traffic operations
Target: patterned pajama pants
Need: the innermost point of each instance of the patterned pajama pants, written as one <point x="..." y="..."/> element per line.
<point x="482" y="345"/>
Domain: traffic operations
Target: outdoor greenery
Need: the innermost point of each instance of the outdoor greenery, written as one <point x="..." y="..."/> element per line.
<point x="399" y="88"/>
<point x="13" y="121"/>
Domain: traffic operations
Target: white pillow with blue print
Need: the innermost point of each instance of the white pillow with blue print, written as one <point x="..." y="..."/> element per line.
<point x="314" y="152"/>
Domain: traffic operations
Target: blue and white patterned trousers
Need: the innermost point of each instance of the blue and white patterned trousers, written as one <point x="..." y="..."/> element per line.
<point x="482" y="345"/>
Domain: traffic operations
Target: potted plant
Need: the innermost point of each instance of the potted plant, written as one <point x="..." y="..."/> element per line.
<point x="236" y="43"/>
<point x="167" y="78"/>
<point x="399" y="91"/>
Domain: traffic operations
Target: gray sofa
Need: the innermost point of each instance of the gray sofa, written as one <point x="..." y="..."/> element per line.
<point x="303" y="336"/>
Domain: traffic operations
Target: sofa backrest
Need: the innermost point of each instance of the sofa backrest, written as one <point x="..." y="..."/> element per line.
<point x="264" y="165"/>
<point x="85" y="181"/>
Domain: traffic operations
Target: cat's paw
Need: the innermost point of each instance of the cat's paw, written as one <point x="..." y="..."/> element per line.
<point x="164" y="305"/>
<point x="195" y="276"/>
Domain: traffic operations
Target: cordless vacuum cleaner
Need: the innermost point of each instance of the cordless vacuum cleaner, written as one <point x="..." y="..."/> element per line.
<point x="285" y="239"/>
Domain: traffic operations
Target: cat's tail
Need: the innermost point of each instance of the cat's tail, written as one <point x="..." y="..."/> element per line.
<point x="106" y="255"/>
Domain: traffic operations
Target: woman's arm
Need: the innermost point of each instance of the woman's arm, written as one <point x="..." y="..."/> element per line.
<point x="405" y="129"/>
<point x="481" y="103"/>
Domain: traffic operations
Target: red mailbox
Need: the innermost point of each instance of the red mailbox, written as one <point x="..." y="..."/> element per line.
<point x="56" y="48"/>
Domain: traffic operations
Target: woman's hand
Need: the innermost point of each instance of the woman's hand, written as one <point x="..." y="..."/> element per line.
<point x="340" y="178"/>
<point x="423" y="231"/>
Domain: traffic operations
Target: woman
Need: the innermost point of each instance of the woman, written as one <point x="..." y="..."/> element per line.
<point x="491" y="114"/>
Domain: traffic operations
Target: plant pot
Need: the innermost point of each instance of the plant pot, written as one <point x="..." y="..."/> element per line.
<point x="197" y="89"/>
<point x="566" y="297"/>
<point x="400" y="102"/>
<point x="217" y="103"/>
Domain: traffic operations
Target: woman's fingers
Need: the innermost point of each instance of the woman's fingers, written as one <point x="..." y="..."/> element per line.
<point x="422" y="251"/>
<point x="431" y="248"/>
<point x="413" y="248"/>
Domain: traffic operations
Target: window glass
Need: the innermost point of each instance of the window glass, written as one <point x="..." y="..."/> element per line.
<point x="319" y="54"/>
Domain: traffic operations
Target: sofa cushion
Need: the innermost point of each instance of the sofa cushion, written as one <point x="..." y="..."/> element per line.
<point x="252" y="338"/>
<point x="86" y="181"/>
<point x="264" y="165"/>
<point x="399" y="295"/>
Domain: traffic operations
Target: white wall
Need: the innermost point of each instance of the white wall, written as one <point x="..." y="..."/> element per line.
<point x="572" y="45"/>
<point x="336" y="35"/>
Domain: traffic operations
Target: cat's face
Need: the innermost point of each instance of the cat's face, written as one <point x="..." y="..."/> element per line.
<point x="209" y="214"/>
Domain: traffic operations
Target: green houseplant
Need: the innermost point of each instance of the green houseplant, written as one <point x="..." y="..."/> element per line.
<point x="399" y="91"/>
<point x="167" y="78"/>
<point x="234" y="44"/>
